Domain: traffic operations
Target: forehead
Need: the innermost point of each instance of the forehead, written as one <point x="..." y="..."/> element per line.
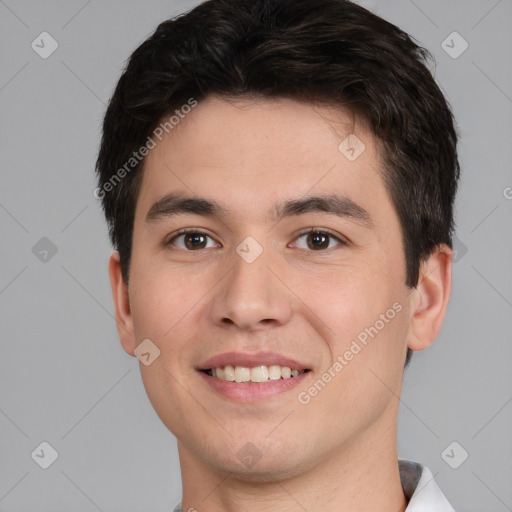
<point x="250" y="152"/>
<point x="278" y="131"/>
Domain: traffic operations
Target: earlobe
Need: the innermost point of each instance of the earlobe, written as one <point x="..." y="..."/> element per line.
<point x="122" y="307"/>
<point x="429" y="300"/>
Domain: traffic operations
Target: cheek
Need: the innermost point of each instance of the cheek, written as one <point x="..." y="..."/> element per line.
<point x="346" y="300"/>
<point x="162" y="297"/>
<point x="365" y="374"/>
<point x="364" y="323"/>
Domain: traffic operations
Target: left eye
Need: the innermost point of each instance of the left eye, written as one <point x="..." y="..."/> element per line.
<point x="316" y="239"/>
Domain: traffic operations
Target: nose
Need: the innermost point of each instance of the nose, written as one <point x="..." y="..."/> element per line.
<point x="251" y="296"/>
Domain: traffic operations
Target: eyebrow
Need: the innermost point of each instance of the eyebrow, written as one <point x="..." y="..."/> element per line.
<point x="177" y="203"/>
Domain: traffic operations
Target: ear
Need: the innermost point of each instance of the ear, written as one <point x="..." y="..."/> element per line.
<point x="429" y="300"/>
<point x="124" y="318"/>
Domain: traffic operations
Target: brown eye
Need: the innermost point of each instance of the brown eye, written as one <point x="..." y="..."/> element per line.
<point x="191" y="240"/>
<point x="317" y="240"/>
<point x="194" y="241"/>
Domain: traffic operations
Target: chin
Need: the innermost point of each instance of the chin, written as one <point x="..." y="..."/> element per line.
<point x="261" y="473"/>
<point x="252" y="465"/>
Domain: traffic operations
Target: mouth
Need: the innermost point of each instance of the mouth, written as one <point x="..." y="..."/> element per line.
<point x="255" y="374"/>
<point x="252" y="377"/>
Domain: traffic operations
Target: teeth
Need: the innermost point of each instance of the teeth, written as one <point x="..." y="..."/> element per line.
<point x="274" y="372"/>
<point x="242" y="374"/>
<point x="259" y="374"/>
<point x="254" y="374"/>
<point x="229" y="373"/>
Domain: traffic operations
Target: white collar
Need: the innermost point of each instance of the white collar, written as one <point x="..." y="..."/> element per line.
<point x="419" y="487"/>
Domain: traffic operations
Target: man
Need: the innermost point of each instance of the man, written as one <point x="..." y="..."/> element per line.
<point x="278" y="177"/>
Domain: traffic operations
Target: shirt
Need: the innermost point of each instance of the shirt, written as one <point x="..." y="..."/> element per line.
<point x="420" y="489"/>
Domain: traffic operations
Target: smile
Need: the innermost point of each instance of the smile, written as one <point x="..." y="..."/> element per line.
<point x="255" y="374"/>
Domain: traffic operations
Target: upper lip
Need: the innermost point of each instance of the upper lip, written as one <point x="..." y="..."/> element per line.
<point x="250" y="360"/>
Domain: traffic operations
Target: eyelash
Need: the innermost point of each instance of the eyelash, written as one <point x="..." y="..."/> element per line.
<point x="320" y="231"/>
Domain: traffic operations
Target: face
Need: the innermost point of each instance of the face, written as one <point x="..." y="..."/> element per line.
<point x="266" y="276"/>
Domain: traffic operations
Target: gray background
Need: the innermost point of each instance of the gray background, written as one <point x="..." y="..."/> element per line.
<point x="64" y="377"/>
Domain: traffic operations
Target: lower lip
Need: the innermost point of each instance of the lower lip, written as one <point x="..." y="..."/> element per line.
<point x="252" y="392"/>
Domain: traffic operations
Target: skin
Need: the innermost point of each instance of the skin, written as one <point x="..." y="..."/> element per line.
<point x="338" y="452"/>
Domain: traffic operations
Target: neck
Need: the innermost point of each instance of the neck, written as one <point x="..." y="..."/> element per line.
<point x="358" y="478"/>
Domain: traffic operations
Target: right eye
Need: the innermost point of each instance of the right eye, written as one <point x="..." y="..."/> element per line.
<point x="192" y="240"/>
